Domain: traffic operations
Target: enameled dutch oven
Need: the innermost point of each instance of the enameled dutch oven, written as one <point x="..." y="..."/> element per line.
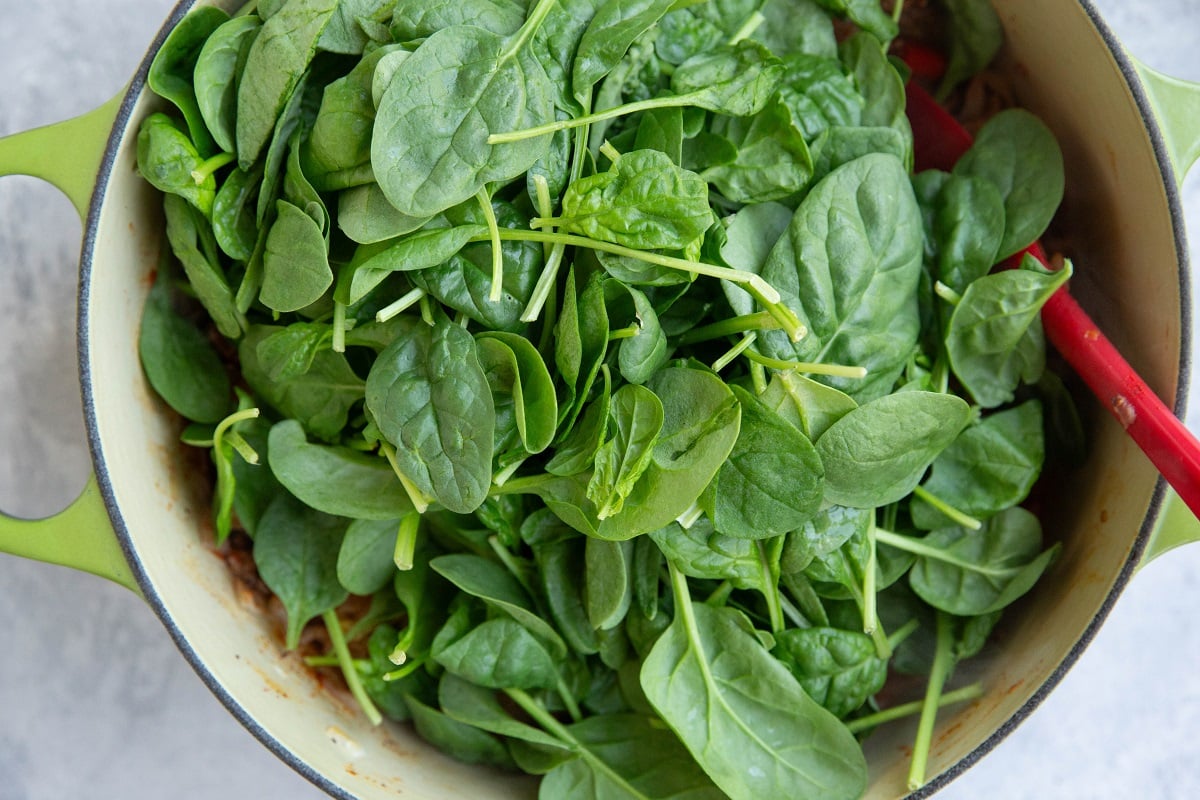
<point x="140" y="523"/>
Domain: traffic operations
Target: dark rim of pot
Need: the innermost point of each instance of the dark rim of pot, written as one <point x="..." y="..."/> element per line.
<point x="87" y="265"/>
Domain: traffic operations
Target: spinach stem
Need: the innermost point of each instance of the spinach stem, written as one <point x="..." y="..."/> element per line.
<point x="732" y="353"/>
<point x="670" y="101"/>
<point x="771" y="590"/>
<point x="748" y="28"/>
<point x="690" y="517"/>
<point x="794" y="614"/>
<point x="509" y="562"/>
<point x="338" y="639"/>
<point x="906" y="630"/>
<point x="532" y="22"/>
<point x="243" y="448"/>
<point x="611" y="153"/>
<point x="758" y="321"/>
<point x="206" y="169"/>
<point x="501" y="477"/>
<point x="545" y="206"/>
<point x="946" y="293"/>
<point x="866" y="723"/>
<point x="569" y="700"/>
<point x="938" y="674"/>
<point x="545" y="284"/>
<point x="406" y="302"/>
<point x="919" y="548"/>
<point x="758" y="374"/>
<point x="627" y="332"/>
<point x="754" y="282"/>
<point x="898" y="10"/>
<point x="870" y="604"/>
<point x="419" y="499"/>
<point x="720" y="595"/>
<point x="835" y="370"/>
<point x="406" y="541"/>
<point x="339" y="327"/>
<point x="489" y="216"/>
<point x="963" y="519"/>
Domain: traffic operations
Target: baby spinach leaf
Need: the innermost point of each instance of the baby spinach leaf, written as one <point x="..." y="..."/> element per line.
<point x="810" y="406"/>
<point x="773" y="480"/>
<point x="839" y="669"/>
<point x="608" y="586"/>
<point x="626" y="755"/>
<point x="700" y="552"/>
<point x="819" y="95"/>
<point x="491" y="583"/>
<point x="296" y="271"/>
<point x="179" y="361"/>
<point x="877" y="453"/>
<point x="796" y="26"/>
<point x="461" y="741"/>
<point x="995" y="338"/>
<point x="277" y="58"/>
<point x="644" y="353"/>
<point x="1020" y="156"/>
<point x="364" y="564"/>
<point x="976" y="36"/>
<point x="581" y="341"/>
<point x="990" y="466"/>
<point x="290" y="351"/>
<point x="737" y="80"/>
<point x="464" y="281"/>
<point x="693" y="28"/>
<point x="880" y="84"/>
<point x="320" y="399"/>
<point x="216" y="76"/>
<point x="772" y="162"/>
<point x="825" y="533"/>
<point x="372" y="264"/>
<point x="414" y="21"/>
<point x="296" y="550"/>
<point x="701" y="420"/>
<point x="561" y="565"/>
<point x="967" y="219"/>
<point x="345" y="32"/>
<point x="430" y="148"/>
<point x="577" y="452"/>
<point x="428" y="394"/>
<point x="336" y="480"/>
<point x="757" y="733"/>
<point x="644" y="201"/>
<point x="234" y="221"/>
<point x="970" y="573"/>
<point x="752" y="232"/>
<point x="192" y="242"/>
<point x="366" y="216"/>
<point x="340" y="139"/>
<point x="171" y="72"/>
<point x="167" y="159"/>
<point x="514" y="366"/>
<point x="255" y="486"/>
<point x="867" y="14"/>
<point x="662" y="129"/>
<point x="848" y="266"/>
<point x="501" y="653"/>
<point x="636" y="419"/>
<point x="478" y="707"/>
<point x="615" y="27"/>
<point x="836" y="146"/>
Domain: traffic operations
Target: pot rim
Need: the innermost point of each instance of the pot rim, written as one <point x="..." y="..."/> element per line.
<point x="83" y="344"/>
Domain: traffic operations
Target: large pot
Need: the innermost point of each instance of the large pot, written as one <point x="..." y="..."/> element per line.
<point x="140" y="521"/>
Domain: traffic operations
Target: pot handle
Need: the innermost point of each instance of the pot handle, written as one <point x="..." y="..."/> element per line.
<point x="68" y="155"/>
<point x="1176" y="104"/>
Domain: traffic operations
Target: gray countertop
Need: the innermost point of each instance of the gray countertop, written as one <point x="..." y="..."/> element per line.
<point x="96" y="702"/>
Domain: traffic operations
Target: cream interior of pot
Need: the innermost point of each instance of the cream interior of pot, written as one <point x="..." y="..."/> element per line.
<point x="1127" y="277"/>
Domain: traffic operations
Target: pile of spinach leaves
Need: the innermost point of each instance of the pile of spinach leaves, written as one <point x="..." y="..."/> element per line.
<point x="612" y="349"/>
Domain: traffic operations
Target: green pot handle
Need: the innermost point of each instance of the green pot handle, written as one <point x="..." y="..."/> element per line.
<point x="68" y="155"/>
<point x="1176" y="105"/>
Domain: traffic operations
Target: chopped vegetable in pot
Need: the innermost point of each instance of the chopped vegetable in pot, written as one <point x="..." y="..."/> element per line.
<point x="599" y="387"/>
